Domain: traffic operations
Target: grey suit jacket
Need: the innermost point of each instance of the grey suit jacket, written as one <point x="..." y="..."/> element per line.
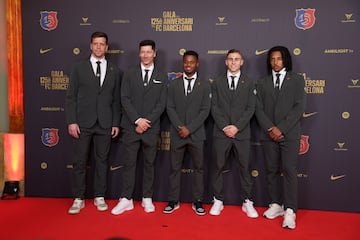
<point x="233" y="107"/>
<point x="190" y="111"/>
<point x="143" y="102"/>
<point x="286" y="110"/>
<point x="86" y="102"/>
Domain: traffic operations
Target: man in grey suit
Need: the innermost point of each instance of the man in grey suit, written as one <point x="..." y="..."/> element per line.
<point x="281" y="101"/>
<point x="143" y="98"/>
<point x="93" y="113"/>
<point x="188" y="107"/>
<point x="233" y="105"/>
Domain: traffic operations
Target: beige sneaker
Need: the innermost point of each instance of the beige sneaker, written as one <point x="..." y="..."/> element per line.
<point x="123" y="205"/>
<point x="274" y="210"/>
<point x="217" y="207"/>
<point x="77" y="205"/>
<point x="100" y="203"/>
<point x="148" y="205"/>
<point x="289" y="219"/>
<point x="248" y="208"/>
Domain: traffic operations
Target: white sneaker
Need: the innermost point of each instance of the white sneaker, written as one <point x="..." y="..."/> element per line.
<point x="249" y="209"/>
<point x="123" y="205"/>
<point x="217" y="207"/>
<point x="100" y="203"/>
<point x="77" y="205"/>
<point x="289" y="219"/>
<point x="274" y="210"/>
<point x="148" y="205"/>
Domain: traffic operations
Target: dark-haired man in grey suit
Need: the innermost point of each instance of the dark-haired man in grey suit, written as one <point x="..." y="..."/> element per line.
<point x="281" y="103"/>
<point x="93" y="113"/>
<point x="143" y="98"/>
<point x="188" y="107"/>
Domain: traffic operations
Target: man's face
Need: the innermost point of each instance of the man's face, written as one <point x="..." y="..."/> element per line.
<point x="190" y="65"/>
<point x="147" y="55"/>
<point x="98" y="47"/>
<point x="276" y="61"/>
<point x="234" y="62"/>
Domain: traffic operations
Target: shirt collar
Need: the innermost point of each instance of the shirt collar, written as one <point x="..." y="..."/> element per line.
<point x="237" y="75"/>
<point x="151" y="68"/>
<point x="193" y="76"/>
<point x="94" y="60"/>
<point x="282" y="72"/>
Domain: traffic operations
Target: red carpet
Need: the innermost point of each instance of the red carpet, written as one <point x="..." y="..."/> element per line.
<point x="47" y="219"/>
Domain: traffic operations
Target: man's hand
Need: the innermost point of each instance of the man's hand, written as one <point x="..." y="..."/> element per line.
<point x="230" y="131"/>
<point x="74" y="130"/>
<point x="143" y="124"/>
<point x="275" y="133"/>
<point x="115" y="132"/>
<point x="183" y="132"/>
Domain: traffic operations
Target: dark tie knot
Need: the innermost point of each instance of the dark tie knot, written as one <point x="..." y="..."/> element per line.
<point x="189" y="79"/>
<point x="98" y="62"/>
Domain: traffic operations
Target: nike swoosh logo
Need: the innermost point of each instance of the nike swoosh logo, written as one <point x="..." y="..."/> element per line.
<point x="259" y="52"/>
<point x="42" y="51"/>
<point x="113" y="168"/>
<point x="305" y="115"/>
<point x="333" y="177"/>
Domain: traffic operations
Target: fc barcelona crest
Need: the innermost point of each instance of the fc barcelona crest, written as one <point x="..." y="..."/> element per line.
<point x="50" y="136"/>
<point x="48" y="20"/>
<point x="304" y="145"/>
<point x="305" y="18"/>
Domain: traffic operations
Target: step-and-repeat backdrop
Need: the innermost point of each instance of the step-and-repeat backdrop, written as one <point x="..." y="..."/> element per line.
<point x="323" y="37"/>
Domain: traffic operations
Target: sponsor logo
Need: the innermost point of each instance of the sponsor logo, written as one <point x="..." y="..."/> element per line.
<point x="50" y="136"/>
<point x="221" y="21"/>
<point x="121" y="21"/>
<point x="305" y="18"/>
<point x="43" y="51"/>
<point x="345" y="115"/>
<point x="187" y="170"/>
<point x="260" y="20"/>
<point x="336" y="177"/>
<point x="339" y="51"/>
<point x="340" y="147"/>
<point x="304" y="144"/>
<point x="48" y="20"/>
<point x="221" y="52"/>
<point x="260" y="52"/>
<point x="113" y="168"/>
<point x="255" y="173"/>
<point x="306" y="115"/>
<point x="85" y="21"/>
<point x="348" y="18"/>
<point x="355" y="83"/>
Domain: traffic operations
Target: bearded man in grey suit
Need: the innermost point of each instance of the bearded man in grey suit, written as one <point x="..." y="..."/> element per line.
<point x="233" y="105"/>
<point x="143" y="99"/>
<point x="281" y="101"/>
<point x="93" y="113"/>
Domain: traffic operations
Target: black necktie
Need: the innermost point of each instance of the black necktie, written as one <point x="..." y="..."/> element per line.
<point x="188" y="91"/>
<point x="277" y="82"/>
<point x="98" y="72"/>
<point x="146" y="78"/>
<point x="232" y="85"/>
